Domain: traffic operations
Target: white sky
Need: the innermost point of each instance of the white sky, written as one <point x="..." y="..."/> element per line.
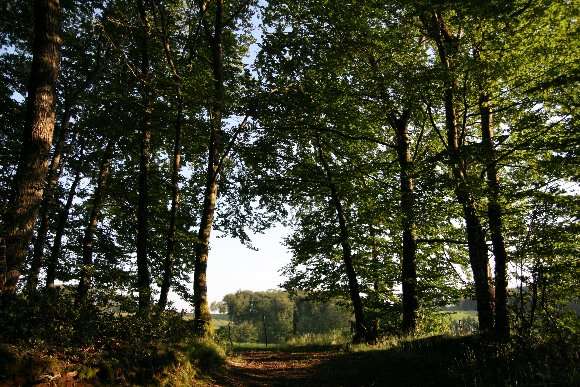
<point x="232" y="266"/>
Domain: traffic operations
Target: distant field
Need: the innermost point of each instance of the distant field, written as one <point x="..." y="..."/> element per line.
<point x="219" y="320"/>
<point x="462" y="314"/>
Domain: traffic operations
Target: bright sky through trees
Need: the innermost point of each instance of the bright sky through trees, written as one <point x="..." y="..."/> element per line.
<point x="235" y="267"/>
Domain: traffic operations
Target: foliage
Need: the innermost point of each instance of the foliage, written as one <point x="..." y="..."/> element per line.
<point x="275" y="317"/>
<point x="206" y="354"/>
<point x="105" y="346"/>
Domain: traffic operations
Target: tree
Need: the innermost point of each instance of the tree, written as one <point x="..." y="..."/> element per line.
<point x="39" y="127"/>
<point x="215" y="146"/>
<point x="269" y="313"/>
<point x="51" y="265"/>
<point x="143" y="276"/>
<point x="224" y="50"/>
<point x="79" y="75"/>
<point x="447" y="46"/>
<point x="176" y="164"/>
<point x="88" y="239"/>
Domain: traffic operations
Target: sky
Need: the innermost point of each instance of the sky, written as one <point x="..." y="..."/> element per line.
<point x="232" y="266"/>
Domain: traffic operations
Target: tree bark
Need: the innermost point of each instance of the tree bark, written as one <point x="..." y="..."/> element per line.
<point x="361" y="331"/>
<point x="201" y="308"/>
<point x="494" y="213"/>
<point x="32" y="168"/>
<point x="60" y="227"/>
<point x="477" y="247"/>
<point x="143" y="276"/>
<point x="88" y="239"/>
<point x="47" y="202"/>
<point x="409" y="261"/>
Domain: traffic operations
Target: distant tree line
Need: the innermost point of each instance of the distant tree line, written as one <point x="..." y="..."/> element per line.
<point x="275" y="316"/>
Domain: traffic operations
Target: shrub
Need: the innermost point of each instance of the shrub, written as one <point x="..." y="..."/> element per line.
<point x="206" y="354"/>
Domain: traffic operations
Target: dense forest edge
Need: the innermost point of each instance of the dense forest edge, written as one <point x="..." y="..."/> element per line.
<point x="424" y="156"/>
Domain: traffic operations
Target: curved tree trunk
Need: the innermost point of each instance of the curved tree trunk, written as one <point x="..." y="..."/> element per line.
<point x="477" y="247"/>
<point x="29" y="181"/>
<point x="409" y="261"/>
<point x="52" y="262"/>
<point x="88" y="239"/>
<point x="47" y="202"/>
<point x="143" y="276"/>
<point x="201" y="308"/>
<point x="494" y="213"/>
<point x="361" y="331"/>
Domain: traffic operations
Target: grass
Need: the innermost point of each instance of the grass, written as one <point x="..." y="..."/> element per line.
<point x="158" y="364"/>
<point x="285" y="347"/>
<point x="452" y="361"/>
<point x="259" y="346"/>
<point x="333" y="338"/>
<point x="462" y="315"/>
<point x="219" y="320"/>
<point x="466" y="360"/>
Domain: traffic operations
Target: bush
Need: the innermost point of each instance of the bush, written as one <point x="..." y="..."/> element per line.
<point x="97" y="343"/>
<point x="207" y="354"/>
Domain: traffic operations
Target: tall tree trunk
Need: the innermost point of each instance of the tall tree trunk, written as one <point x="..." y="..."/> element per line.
<point x="409" y="261"/>
<point x="407" y="199"/>
<point x="48" y="201"/>
<point x="143" y="276"/>
<point x="201" y="308"/>
<point x="169" y="257"/>
<point x="38" y="131"/>
<point x="61" y="225"/>
<point x="361" y="332"/>
<point x="170" y="254"/>
<point x="494" y="213"/>
<point x="477" y="247"/>
<point x="88" y="239"/>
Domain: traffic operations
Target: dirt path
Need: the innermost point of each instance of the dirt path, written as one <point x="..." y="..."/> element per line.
<point x="427" y="362"/>
<point x="269" y="368"/>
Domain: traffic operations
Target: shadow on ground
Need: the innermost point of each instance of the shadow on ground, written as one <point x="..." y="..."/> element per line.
<point x="421" y="364"/>
<point x="434" y="361"/>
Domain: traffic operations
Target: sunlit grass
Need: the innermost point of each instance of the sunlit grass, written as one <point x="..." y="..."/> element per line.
<point x="335" y="337"/>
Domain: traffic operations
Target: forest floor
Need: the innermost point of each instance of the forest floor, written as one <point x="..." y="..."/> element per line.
<point x="432" y="361"/>
<point x="333" y="366"/>
<point x="275" y="368"/>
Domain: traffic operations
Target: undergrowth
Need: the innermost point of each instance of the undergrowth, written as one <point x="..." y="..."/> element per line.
<point x="50" y="338"/>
